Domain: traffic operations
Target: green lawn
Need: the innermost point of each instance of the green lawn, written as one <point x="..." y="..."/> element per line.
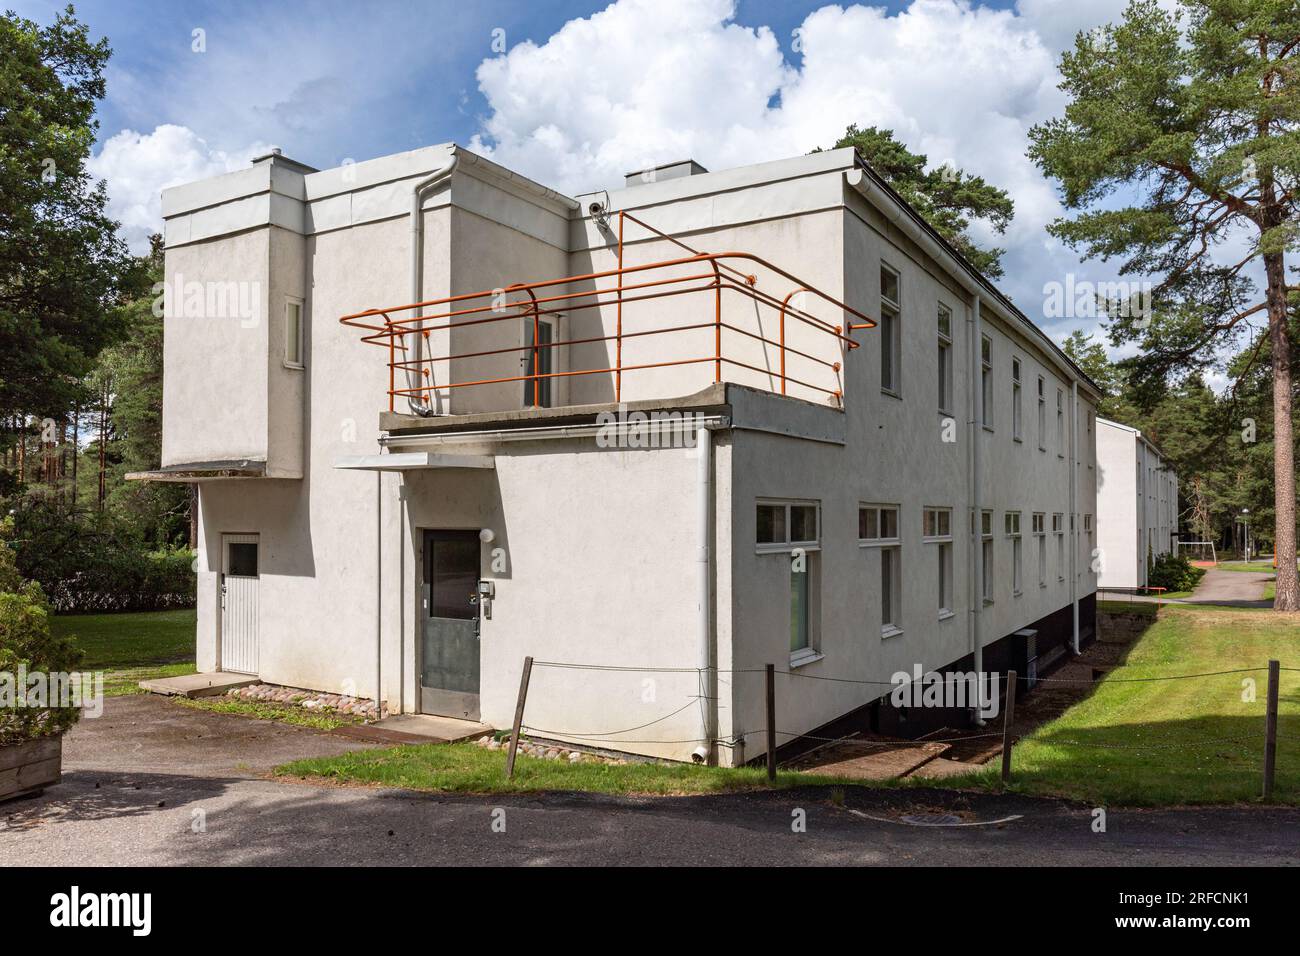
<point x="1174" y="742"/>
<point x="132" y="647"/>
<point x="467" y="768"/>
<point x="1265" y="567"/>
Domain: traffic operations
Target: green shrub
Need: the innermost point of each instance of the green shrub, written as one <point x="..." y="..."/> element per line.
<point x="1173" y="572"/>
<point x="26" y="645"/>
<point x="86" y="567"/>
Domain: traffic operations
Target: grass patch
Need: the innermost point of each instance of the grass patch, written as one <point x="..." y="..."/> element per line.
<point x="132" y="647"/>
<point x="1188" y="741"/>
<point x="1265" y="567"/>
<point x="270" y="710"/>
<point x="1135" y="607"/>
<point x="468" y="768"/>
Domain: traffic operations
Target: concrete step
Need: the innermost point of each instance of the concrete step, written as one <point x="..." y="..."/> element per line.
<point x="197" y="685"/>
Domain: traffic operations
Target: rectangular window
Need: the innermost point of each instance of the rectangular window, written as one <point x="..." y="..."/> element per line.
<point x="1040" y="534"/>
<point x="293" y="345"/>
<point x="1016" y="409"/>
<point x="782" y="525"/>
<point x="1058" y="528"/>
<point x="1042" y="414"/>
<point x="890" y="585"/>
<point x="799" y="614"/>
<point x="890" y="331"/>
<point x="986" y="381"/>
<point x="945" y="359"/>
<point x="537" y="393"/>
<point x="986" y="533"/>
<point x="1060" y="422"/>
<point x="1013" y="532"/>
<point x="878" y="524"/>
<point x="936" y="530"/>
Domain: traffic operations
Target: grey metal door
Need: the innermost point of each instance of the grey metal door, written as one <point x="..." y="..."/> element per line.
<point x="449" y="649"/>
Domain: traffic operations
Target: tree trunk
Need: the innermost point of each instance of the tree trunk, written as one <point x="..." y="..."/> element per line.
<point x="1288" y="587"/>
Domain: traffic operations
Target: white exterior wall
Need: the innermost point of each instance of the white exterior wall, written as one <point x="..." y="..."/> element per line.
<point x="600" y="544"/>
<point x="1137" y="505"/>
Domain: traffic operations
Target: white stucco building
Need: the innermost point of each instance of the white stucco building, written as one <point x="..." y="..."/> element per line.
<point x="838" y="394"/>
<point x="1137" y="505"/>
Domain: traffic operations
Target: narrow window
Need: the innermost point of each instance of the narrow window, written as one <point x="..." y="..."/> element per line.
<point x="1042" y="414"/>
<point x="986" y="534"/>
<point x="1060" y="423"/>
<point x="1040" y="535"/>
<point x="537" y="393"/>
<point x="878" y="530"/>
<point x="1016" y="411"/>
<point x="937" y="531"/>
<point x="1058" y="528"/>
<point x="293" y="348"/>
<point x="986" y="381"/>
<point x="792" y="529"/>
<point x="799" y="615"/>
<point x="1013" y="532"/>
<point x="945" y="359"/>
<point x="890" y="331"/>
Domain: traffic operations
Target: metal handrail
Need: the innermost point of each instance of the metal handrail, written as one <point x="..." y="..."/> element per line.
<point x="718" y="275"/>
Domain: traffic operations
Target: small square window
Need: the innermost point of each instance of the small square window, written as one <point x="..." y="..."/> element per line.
<point x="771" y="524"/>
<point x="877" y="523"/>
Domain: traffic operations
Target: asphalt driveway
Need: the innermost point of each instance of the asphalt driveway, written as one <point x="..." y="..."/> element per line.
<point x="152" y="782"/>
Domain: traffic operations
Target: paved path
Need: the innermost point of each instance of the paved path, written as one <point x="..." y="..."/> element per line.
<point x="1222" y="588"/>
<point x="187" y="791"/>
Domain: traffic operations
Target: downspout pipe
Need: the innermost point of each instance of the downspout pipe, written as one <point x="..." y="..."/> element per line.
<point x="440" y="175"/>
<point x="1075" y="528"/>
<point x="704" y="537"/>
<point x="976" y="493"/>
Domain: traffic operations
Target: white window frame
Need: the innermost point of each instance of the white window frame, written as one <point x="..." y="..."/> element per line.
<point x="932" y="533"/>
<point x="986" y="382"/>
<point x="1011" y="525"/>
<point x="1058" y="529"/>
<point x="786" y="546"/>
<point x="891" y="339"/>
<point x="944" y="370"/>
<point x="1060" y="423"/>
<point x="986" y="544"/>
<point x="878" y="540"/>
<point x="290" y="303"/>
<point x="891" y="552"/>
<point x="1040" y="532"/>
<point x="1042" y="413"/>
<point x="1017" y="403"/>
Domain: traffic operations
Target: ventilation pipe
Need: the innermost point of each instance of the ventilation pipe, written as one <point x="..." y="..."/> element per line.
<point x="976" y="495"/>
<point x="704" y="539"/>
<point x="416" y="399"/>
<point x="1074" y="518"/>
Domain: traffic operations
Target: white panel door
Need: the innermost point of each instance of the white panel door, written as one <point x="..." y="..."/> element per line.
<point x="239" y="569"/>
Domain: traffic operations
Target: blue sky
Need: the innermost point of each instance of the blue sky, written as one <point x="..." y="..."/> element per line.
<point x="575" y="94"/>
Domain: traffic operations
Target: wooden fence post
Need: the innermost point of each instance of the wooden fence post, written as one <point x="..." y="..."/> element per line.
<point x="519" y="716"/>
<point x="771" y="721"/>
<point x="1270" y="729"/>
<point x="1008" y="715"/>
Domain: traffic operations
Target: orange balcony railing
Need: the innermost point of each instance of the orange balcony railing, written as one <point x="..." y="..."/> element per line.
<point x="702" y="280"/>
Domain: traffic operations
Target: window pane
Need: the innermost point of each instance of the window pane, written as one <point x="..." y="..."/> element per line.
<point x="803" y="523"/>
<point x="868" y="523"/>
<point x="888" y="523"/>
<point x="243" y="560"/>
<point x="945" y="522"/>
<point x="771" y="524"/>
<point x="888" y="332"/>
<point x="293" y="334"/>
<point x="888" y="284"/>
<point x="798" y="610"/>
<point x="945" y="322"/>
<point x="886" y="587"/>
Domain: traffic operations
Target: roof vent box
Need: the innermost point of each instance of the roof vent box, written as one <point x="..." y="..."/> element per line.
<point x="659" y="174"/>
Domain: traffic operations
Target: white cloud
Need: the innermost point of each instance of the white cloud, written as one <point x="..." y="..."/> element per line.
<point x="139" y="166"/>
<point x="645" y="82"/>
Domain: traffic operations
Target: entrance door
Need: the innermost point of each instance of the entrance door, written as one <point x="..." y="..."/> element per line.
<point x="239" y="554"/>
<point x="449" y="659"/>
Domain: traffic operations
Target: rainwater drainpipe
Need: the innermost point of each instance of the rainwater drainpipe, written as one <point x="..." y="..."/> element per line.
<point x="704" y="501"/>
<point x="416" y="399"/>
<point x="976" y="496"/>
<point x="1074" y="518"/>
<point x="379" y="595"/>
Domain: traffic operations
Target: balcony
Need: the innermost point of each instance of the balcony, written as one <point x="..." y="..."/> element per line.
<point x="641" y="330"/>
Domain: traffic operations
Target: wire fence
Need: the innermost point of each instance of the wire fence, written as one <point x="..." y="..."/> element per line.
<point x="1265" y="738"/>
